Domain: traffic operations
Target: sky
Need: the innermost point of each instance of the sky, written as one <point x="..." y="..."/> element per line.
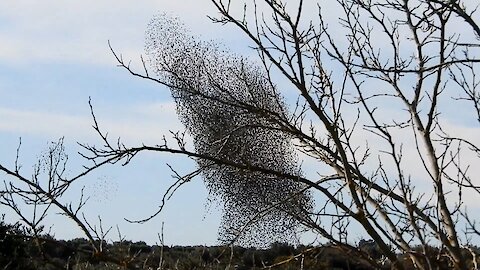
<point x="54" y="56"/>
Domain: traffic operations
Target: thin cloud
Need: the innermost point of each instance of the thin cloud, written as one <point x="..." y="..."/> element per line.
<point x="142" y="124"/>
<point x="78" y="31"/>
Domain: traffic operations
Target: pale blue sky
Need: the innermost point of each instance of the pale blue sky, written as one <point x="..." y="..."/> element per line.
<point x="54" y="56"/>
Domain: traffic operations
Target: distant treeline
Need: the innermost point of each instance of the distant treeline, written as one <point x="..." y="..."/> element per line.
<point x="19" y="250"/>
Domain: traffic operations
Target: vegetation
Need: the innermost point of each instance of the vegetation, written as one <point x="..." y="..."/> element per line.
<point x="20" y="251"/>
<point x="372" y="108"/>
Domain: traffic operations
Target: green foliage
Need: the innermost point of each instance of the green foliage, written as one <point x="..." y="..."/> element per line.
<point x="12" y="249"/>
<point x="19" y="251"/>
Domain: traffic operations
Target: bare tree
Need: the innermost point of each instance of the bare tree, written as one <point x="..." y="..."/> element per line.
<point x="33" y="196"/>
<point x="398" y="55"/>
<point x="375" y="92"/>
<point x="402" y="53"/>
